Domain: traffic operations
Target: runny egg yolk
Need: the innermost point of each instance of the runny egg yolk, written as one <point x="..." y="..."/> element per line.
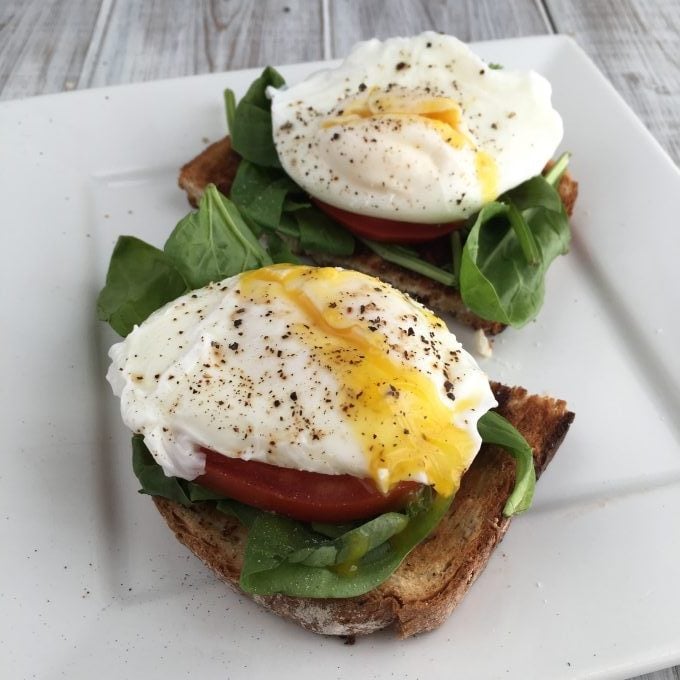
<point x="442" y="114"/>
<point x="405" y="428"/>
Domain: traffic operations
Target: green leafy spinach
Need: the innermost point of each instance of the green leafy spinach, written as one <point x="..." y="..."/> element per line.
<point x="210" y="244"/>
<point x="140" y="279"/>
<point x="250" y="121"/>
<point x="509" y="248"/>
<point x="214" y="242"/>
<point x="494" y="429"/>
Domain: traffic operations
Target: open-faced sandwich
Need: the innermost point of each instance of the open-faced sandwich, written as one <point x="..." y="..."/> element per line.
<point x="414" y="161"/>
<point x="313" y="434"/>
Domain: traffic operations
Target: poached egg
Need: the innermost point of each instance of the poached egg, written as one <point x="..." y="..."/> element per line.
<point x="414" y="129"/>
<point x="318" y="369"/>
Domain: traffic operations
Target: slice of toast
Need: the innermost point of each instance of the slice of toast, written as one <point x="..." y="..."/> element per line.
<point x="218" y="163"/>
<point x="435" y="576"/>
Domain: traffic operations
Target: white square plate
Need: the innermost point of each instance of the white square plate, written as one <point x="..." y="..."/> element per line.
<point x="93" y="585"/>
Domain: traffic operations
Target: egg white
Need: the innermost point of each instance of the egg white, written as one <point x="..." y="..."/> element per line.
<point x="402" y="167"/>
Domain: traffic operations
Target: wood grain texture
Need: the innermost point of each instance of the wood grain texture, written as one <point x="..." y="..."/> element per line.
<point x="636" y="43"/>
<point x="43" y="45"/>
<point x="353" y="20"/>
<point x="166" y="38"/>
<point x="668" y="674"/>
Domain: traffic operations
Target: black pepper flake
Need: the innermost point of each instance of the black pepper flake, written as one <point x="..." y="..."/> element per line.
<point x="335" y="137"/>
<point x="233" y="346"/>
<point x="238" y="322"/>
<point x="410" y="331"/>
<point x="293" y="396"/>
<point x="401" y="66"/>
<point x="277" y="403"/>
<point x="362" y="87"/>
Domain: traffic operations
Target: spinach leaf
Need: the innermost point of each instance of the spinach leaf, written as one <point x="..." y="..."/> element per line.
<point x="214" y="242"/>
<point x="279" y="250"/>
<point x="263" y="196"/>
<point x="261" y="192"/>
<point x="272" y="541"/>
<point x="251" y="125"/>
<point x="246" y="514"/>
<point x="553" y="175"/>
<point x="494" y="429"/>
<point x="351" y="545"/>
<point x="320" y="234"/>
<point x="152" y="478"/>
<point x="409" y="259"/>
<point x="501" y="275"/>
<point x="230" y="107"/>
<point x="140" y="279"/>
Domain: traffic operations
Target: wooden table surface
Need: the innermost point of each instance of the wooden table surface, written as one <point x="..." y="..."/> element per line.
<point x="57" y="45"/>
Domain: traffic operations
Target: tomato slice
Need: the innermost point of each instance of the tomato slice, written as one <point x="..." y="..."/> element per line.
<point x="307" y="496"/>
<point x="387" y="231"/>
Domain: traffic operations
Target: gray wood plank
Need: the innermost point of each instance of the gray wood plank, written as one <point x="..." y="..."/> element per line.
<point x="43" y="45"/>
<point x="636" y="44"/>
<point x="354" y="20"/>
<point x="669" y="674"/>
<point x="165" y="38"/>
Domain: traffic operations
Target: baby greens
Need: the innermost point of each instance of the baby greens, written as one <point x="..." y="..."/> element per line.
<point x="213" y="242"/>
<point x="494" y="429"/>
<point x="410" y="259"/>
<point x="510" y="246"/>
<point x="272" y="202"/>
<point x="250" y="121"/>
<point x="209" y="244"/>
<point x="140" y="279"/>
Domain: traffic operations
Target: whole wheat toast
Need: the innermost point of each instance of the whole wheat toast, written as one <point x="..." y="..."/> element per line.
<point x="435" y="576"/>
<point x="218" y="164"/>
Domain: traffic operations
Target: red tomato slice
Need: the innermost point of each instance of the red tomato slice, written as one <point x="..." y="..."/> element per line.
<point x="307" y="496"/>
<point x="387" y="231"/>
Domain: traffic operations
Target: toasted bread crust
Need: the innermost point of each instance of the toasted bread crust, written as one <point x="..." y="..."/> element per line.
<point x="435" y="576"/>
<point x="218" y="164"/>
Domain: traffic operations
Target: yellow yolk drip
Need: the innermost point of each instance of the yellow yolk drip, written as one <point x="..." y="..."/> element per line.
<point x="487" y="175"/>
<point x="395" y="411"/>
<point x="440" y="113"/>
